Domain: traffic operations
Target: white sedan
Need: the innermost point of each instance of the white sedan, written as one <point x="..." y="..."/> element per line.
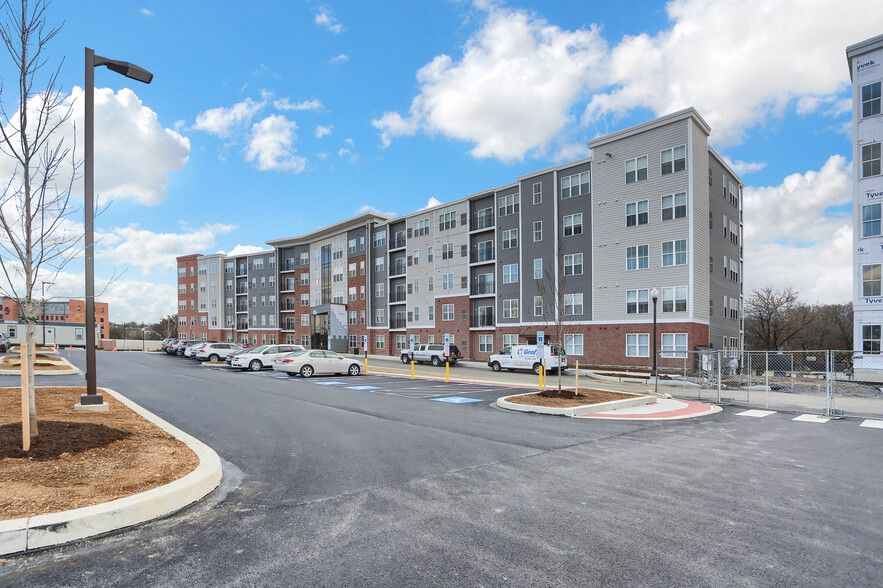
<point x="316" y="361"/>
<point x="258" y="358"/>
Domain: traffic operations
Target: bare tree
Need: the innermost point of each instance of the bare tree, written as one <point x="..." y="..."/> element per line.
<point x="775" y="317"/>
<point x="167" y="326"/>
<point x="35" y="200"/>
<point x="558" y="305"/>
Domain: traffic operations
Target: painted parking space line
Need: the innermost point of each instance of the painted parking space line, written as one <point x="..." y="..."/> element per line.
<point x="329" y="383"/>
<point x="456" y="399"/>
<point x="363" y="387"/>
<point x="756" y="413"/>
<point x="811" y="418"/>
<point x="874" y="424"/>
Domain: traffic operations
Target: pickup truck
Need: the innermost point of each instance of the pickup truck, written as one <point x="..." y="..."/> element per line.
<point x="434" y="354"/>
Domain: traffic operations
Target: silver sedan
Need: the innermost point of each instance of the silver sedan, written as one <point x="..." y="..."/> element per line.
<point x="316" y="361"/>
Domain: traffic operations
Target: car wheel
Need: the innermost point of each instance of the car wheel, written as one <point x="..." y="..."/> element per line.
<point x="354" y="369"/>
<point x="536" y="368"/>
<point x="405" y="359"/>
<point x="255" y="365"/>
<point x="306" y="371"/>
<point x="495" y="366"/>
<point x="213" y="357"/>
<point x="436" y="361"/>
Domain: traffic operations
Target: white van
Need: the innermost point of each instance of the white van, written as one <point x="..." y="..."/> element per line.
<point x="524" y="357"/>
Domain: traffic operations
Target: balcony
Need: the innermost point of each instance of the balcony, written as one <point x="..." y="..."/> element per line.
<point x="397" y="270"/>
<point x="242" y="290"/>
<point x="397" y="243"/>
<point x="398" y="295"/>
<point x="481" y="288"/>
<point x="398" y="323"/>
<point x="483" y="317"/>
<point x="290" y="306"/>
<point x="482" y="221"/>
<point x="482" y="256"/>
<point x="287" y="267"/>
<point x="242" y="326"/>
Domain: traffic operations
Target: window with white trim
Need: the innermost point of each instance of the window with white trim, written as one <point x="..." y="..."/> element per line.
<point x="674" y="206"/>
<point x="573" y="264"/>
<point x="674" y="252"/>
<point x="510" y="238"/>
<point x="485" y="343"/>
<point x="637" y="345"/>
<point x="538" y="268"/>
<point x="573" y="344"/>
<point x="421" y="227"/>
<point x="379" y="315"/>
<point x="674" y="344"/>
<point x="379" y="264"/>
<point x="447" y="220"/>
<point x="871" y="220"/>
<point x="538" y="306"/>
<point x="537" y="192"/>
<point x="870" y="160"/>
<point x="871" y="99"/>
<point x="871" y="280"/>
<point x="510" y="339"/>
<point x="447" y="312"/>
<point x="510" y="308"/>
<point x="448" y="281"/>
<point x="673" y="160"/>
<point x="573" y="304"/>
<point x="637" y="213"/>
<point x="378" y="239"/>
<point x="573" y="224"/>
<point x="674" y="299"/>
<point x="637" y="301"/>
<point x="509" y="204"/>
<point x="871" y="339"/>
<point x="575" y="185"/>
<point x="447" y="250"/>
<point x="637" y="257"/>
<point x="401" y="342"/>
<point x="636" y="169"/>
<point x="537" y="231"/>
<point x="510" y="273"/>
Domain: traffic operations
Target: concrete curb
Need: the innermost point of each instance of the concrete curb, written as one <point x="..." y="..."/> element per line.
<point x="74" y="370"/>
<point x="41" y="531"/>
<point x="639" y="400"/>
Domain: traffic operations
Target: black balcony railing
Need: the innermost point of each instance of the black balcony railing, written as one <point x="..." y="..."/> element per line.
<point x="242" y="326"/>
<point x="482" y="220"/>
<point x="482" y="288"/>
<point x="398" y="270"/>
<point x="481" y="255"/>
<point x="288" y="267"/>
<point x="398" y="323"/>
<point x="484" y="318"/>
<point x="290" y="306"/>
<point x="397" y="243"/>
<point x="397" y="296"/>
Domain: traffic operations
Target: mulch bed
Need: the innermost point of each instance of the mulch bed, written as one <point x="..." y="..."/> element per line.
<point x="585" y="396"/>
<point x="81" y="458"/>
<point x="44" y="363"/>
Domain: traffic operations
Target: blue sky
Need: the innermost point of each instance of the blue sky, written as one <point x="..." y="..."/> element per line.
<point x="270" y="119"/>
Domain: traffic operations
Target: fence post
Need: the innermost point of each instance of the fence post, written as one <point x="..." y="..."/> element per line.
<point x="686" y="358"/>
<point x="748" y="381"/>
<point x="828" y="369"/>
<point x="719" y="358"/>
<point x="766" y="371"/>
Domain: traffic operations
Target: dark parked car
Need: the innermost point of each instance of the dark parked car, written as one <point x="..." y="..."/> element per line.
<point x="4" y="343"/>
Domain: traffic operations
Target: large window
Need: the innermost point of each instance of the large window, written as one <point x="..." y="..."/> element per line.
<point x="510" y="273"/>
<point x="871" y="160"/>
<point x="421" y="227"/>
<point x="637" y="257"/>
<point x="509" y="204"/>
<point x="674" y="252"/>
<point x="637" y="345"/>
<point x="447" y="221"/>
<point x="575" y="185"/>
<point x="573" y="264"/>
<point x="636" y="169"/>
<point x="637" y="213"/>
<point x="448" y="281"/>
<point x="674" y="299"/>
<point x="674" y="160"/>
<point x="871" y="280"/>
<point x="573" y="344"/>
<point x="537" y="193"/>
<point x="871" y="99"/>
<point x="510" y="308"/>
<point x="871" y="339"/>
<point x="510" y="238"/>
<point x="447" y="312"/>
<point x="674" y="206"/>
<point x="538" y="306"/>
<point x="537" y="231"/>
<point x="447" y="250"/>
<point x="538" y="268"/>
<point x="378" y="240"/>
<point x="573" y="304"/>
<point x="674" y="344"/>
<point x="637" y="301"/>
<point x="573" y="224"/>
<point x="486" y="343"/>
<point x="871" y="220"/>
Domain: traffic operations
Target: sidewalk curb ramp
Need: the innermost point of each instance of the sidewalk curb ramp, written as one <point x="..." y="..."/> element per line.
<point x="48" y="530"/>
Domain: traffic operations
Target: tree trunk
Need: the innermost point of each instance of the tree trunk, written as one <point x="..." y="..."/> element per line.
<point x="31" y="358"/>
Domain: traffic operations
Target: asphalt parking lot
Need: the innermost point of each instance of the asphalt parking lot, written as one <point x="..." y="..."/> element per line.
<point x="379" y="481"/>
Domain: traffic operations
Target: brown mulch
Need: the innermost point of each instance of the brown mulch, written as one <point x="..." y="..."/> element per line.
<point x="585" y="396"/>
<point x="81" y="458"/>
<point x="44" y="363"/>
<point x="636" y="375"/>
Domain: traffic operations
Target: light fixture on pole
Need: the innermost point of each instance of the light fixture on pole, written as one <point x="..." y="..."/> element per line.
<point x="43" y="291"/>
<point x="142" y="75"/>
<point x="654" y="295"/>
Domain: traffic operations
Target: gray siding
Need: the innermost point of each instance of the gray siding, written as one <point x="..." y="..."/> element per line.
<point x="720" y="283"/>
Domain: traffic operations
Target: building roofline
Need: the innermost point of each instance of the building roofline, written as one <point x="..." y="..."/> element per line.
<point x="724" y="165"/>
<point x="554" y="168"/>
<point x="351" y="222"/>
<point x="188" y="257"/>
<point x="650" y="125"/>
<point x="860" y="48"/>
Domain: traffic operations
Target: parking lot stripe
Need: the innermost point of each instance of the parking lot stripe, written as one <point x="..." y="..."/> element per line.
<point x="811" y="418"/>
<point x="456" y="399"/>
<point x="874" y="424"/>
<point x="756" y="413"/>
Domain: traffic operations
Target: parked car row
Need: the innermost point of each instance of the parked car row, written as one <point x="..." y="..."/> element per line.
<point x="291" y="360"/>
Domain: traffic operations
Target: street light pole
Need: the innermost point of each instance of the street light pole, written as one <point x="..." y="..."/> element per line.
<point x="654" y="295"/>
<point x="43" y="291"/>
<point x="136" y="73"/>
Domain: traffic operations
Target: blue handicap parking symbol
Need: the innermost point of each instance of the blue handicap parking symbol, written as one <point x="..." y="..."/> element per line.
<point x="329" y="383"/>
<point x="363" y="387"/>
<point x="457" y="399"/>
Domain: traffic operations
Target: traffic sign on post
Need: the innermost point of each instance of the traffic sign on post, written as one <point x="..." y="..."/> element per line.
<point x="411" y="338"/>
<point x="541" y="342"/>
<point x="447" y="343"/>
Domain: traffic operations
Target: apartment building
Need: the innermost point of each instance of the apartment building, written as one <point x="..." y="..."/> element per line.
<point x="865" y="71"/>
<point x="583" y="245"/>
<point x="55" y="313"/>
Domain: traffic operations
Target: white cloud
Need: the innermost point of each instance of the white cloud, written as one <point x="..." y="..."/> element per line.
<point x="433" y="201"/>
<point x="342" y="58"/>
<point x="323" y="156"/>
<point x="146" y="12"/>
<point x="133" y="300"/>
<point x="271" y="145"/>
<point x="223" y="121"/>
<point x="245" y="250"/>
<point x="150" y="251"/>
<point x="502" y="95"/>
<point x="829" y="105"/>
<point x="792" y="239"/>
<point x="343" y="152"/>
<point x="133" y="152"/>
<point x="349" y="142"/>
<point x="327" y="20"/>
<point x="744" y="167"/>
<point x="322" y="131"/>
<point x="285" y="104"/>
<point x="369" y="208"/>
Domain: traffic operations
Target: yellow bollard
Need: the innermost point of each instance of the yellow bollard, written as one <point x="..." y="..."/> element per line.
<point x="412" y="369"/>
<point x="366" y="366"/>
<point x="541" y="377"/>
<point x="447" y="371"/>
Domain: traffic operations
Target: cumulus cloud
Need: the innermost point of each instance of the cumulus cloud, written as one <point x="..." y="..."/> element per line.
<point x="326" y="19"/>
<point x="133" y="152"/>
<point x="146" y="12"/>
<point x="270" y="145"/>
<point x="245" y="250"/>
<point x="286" y="104"/>
<point x="744" y="167"/>
<point x="322" y="131"/>
<point x="795" y="237"/>
<point x="433" y="201"/>
<point x="151" y="251"/>
<point x="342" y="58"/>
<point x="224" y="121"/>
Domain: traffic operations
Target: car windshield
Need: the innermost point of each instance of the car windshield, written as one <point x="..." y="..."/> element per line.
<point x="256" y="349"/>
<point x="297" y="353"/>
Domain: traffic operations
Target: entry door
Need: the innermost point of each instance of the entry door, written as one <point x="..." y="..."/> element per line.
<point x="319" y="331"/>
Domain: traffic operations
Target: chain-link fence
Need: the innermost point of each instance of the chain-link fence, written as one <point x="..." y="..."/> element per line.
<point x="832" y="383"/>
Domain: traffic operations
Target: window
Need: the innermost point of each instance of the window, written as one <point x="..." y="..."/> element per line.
<point x="510" y="238"/>
<point x="182" y="272"/>
<point x="430" y="312"/>
<point x="378" y="315"/>
<point x="304" y="281"/>
<point x="871" y="99"/>
<point x="871" y="339"/>
<point x="378" y="264"/>
<point x="486" y="251"/>
<point x="637" y="213"/>
<point x="538" y="306"/>
<point x="416" y="257"/>
<point x="351" y="246"/>
<point x="379" y="239"/>
<point x="351" y="270"/>
<point x="734" y="233"/>
<point x="636" y="170"/>
<point x="447" y="250"/>
<point x="637" y="301"/>
<point x="352" y="293"/>
<point x="509" y="204"/>
<point x="674" y="344"/>
<point x="537" y="231"/>
<point x="674" y="160"/>
<point x="537" y="193"/>
<point x="379" y="341"/>
<point x="510" y="308"/>
<point x="637" y="345"/>
<point x="416" y="315"/>
<point x="486" y="343"/>
<point x="674" y="252"/>
<point x="871" y="280"/>
<point x="573" y="224"/>
<point x="674" y="299"/>
<point x="447" y="220"/>
<point x="637" y="257"/>
<point x="674" y="206"/>
<point x="575" y="185"/>
<point x="871" y="160"/>
<point x="305" y="340"/>
<point x="421" y="227"/>
<point x="447" y="312"/>
<point x="353" y="317"/>
<point x="378" y="290"/>
<point x="538" y="268"/>
<point x="304" y="258"/>
<point x="573" y="304"/>
<point x="510" y="273"/>
<point x="447" y="281"/>
<point x="573" y="264"/>
<point x="510" y="339"/>
<point x="573" y="344"/>
<point x="401" y="342"/>
<point x="304" y="321"/>
<point x="304" y="299"/>
<point x="429" y="254"/>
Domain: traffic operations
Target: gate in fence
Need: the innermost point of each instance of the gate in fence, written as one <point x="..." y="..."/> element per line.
<point x="821" y="382"/>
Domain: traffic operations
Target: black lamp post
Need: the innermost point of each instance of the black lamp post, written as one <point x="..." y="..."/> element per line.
<point x="142" y="75"/>
<point x="654" y="295"/>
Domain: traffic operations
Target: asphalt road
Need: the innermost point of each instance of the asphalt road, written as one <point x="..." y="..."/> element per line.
<point x="331" y="486"/>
